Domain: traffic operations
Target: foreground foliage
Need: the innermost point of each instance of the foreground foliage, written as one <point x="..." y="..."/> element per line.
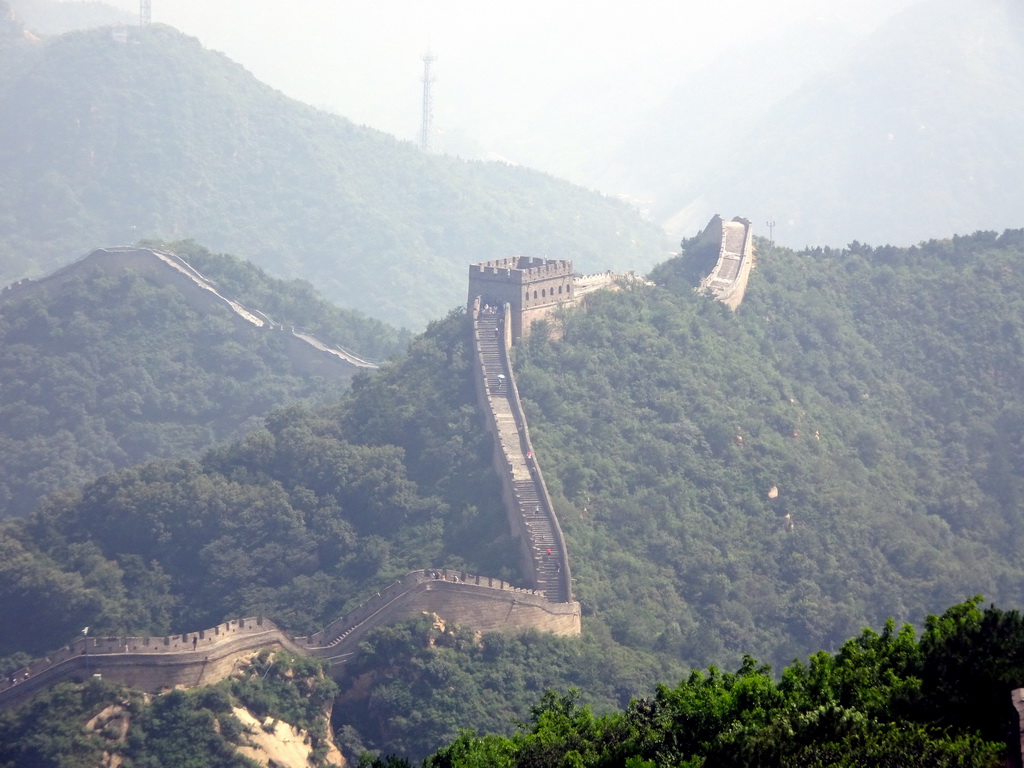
<point x="884" y="699"/>
<point x="893" y="697"/>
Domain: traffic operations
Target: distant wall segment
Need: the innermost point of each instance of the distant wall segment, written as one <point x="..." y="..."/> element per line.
<point x="735" y="242"/>
<point x="306" y="353"/>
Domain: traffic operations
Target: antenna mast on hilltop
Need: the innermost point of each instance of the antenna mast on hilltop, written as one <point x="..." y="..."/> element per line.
<point x="145" y="12"/>
<point x="428" y="103"/>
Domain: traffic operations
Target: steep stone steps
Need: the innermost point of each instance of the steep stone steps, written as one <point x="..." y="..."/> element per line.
<point x="543" y="542"/>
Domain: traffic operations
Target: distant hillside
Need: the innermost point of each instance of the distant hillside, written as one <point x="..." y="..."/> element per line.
<point x="106" y="142"/>
<point x="109" y="367"/>
<point x="914" y="134"/>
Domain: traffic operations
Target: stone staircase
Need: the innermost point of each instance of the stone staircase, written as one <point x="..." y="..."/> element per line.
<point x="530" y="499"/>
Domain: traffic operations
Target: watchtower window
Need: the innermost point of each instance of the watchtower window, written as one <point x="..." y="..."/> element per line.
<point x="543" y="293"/>
<point x="559" y="289"/>
<point x="535" y="294"/>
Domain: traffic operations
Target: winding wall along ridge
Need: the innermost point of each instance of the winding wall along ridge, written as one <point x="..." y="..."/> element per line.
<point x="207" y="656"/>
<point x="201" y="292"/>
<point x="543" y="556"/>
<point x="485" y="603"/>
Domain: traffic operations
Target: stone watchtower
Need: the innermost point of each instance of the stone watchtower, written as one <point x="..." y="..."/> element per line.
<point x="533" y="287"/>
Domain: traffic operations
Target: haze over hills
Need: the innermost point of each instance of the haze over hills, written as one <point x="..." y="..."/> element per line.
<point x="911" y="135"/>
<point x="53" y="17"/>
<point x="104" y="142"/>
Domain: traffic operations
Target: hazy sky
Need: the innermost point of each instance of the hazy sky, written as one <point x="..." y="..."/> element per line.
<point x="497" y="64"/>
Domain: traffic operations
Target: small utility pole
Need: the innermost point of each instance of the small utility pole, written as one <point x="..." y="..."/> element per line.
<point x="145" y="12"/>
<point x="426" y="127"/>
<point x="771" y="232"/>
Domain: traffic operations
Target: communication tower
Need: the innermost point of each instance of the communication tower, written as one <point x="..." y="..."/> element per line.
<point x="428" y="103"/>
<point x="145" y="12"/>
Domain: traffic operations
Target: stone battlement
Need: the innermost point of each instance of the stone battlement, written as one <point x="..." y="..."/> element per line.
<point x="532" y="287"/>
<point x="522" y="269"/>
<point x="206" y="656"/>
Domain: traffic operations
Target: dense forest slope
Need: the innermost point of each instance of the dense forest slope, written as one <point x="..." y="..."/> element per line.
<point x="844" y="448"/>
<point x="107" y="368"/>
<point x="104" y="142"/>
<point x="300" y="521"/>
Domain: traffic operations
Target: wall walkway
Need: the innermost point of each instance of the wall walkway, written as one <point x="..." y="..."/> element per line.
<point x="544" y="559"/>
<point x="207" y="656"/>
<point x="481" y="602"/>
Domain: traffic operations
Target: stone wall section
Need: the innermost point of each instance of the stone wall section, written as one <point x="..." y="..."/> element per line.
<point x="533" y="287"/>
<point x="544" y="558"/>
<point x="482" y="602"/>
<point x="306" y="353"/>
<point x="205" y="657"/>
<point x="735" y="241"/>
<point x="149" y="663"/>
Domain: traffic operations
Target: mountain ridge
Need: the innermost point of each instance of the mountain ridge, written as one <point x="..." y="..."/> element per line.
<point x="156" y="137"/>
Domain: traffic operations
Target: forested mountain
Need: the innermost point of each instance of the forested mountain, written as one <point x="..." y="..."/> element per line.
<point x="845" y="448"/>
<point x="105" y="141"/>
<point x="107" y="368"/>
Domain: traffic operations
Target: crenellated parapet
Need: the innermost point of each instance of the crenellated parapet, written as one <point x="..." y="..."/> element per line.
<point x="532" y="287"/>
<point x="149" y="663"/>
<point x="209" y="655"/>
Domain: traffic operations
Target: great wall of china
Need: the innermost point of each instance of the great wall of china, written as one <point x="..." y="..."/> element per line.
<point x="307" y="353"/>
<point x="735" y="242"/>
<point x="506" y="297"/>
